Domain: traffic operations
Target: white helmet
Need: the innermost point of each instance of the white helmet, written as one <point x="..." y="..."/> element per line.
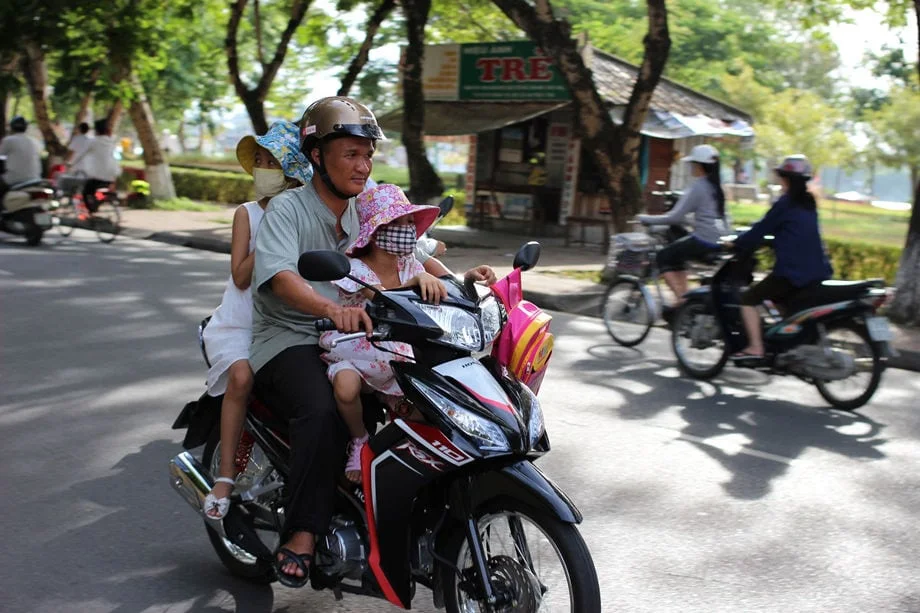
<point x="702" y="154"/>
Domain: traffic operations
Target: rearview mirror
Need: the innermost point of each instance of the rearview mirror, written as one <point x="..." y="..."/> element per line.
<point x="323" y="265"/>
<point x="527" y="256"/>
<point x="445" y="206"/>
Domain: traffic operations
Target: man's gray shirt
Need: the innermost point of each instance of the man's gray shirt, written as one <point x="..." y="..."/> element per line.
<point x="295" y="221"/>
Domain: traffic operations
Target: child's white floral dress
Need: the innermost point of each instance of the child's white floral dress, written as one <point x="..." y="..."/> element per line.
<point x="371" y="363"/>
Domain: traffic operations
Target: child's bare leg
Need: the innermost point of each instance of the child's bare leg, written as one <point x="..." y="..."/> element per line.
<point x="232" y="416"/>
<point x="347" y="387"/>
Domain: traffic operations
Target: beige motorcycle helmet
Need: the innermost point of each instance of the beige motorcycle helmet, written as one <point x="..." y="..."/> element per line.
<point x="331" y="118"/>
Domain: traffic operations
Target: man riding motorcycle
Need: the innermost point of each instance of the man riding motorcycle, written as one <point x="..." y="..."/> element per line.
<point x="23" y="157"/>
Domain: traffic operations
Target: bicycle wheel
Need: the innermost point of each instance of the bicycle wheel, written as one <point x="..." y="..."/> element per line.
<point x="628" y="312"/>
<point x="106" y="221"/>
<point x="67" y="215"/>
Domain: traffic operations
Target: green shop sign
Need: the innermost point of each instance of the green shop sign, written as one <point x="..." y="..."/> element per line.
<point x="491" y="71"/>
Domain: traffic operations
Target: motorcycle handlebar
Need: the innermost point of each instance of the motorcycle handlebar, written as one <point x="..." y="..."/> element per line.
<point x="325" y="325"/>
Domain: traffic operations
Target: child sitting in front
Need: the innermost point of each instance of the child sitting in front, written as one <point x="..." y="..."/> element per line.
<point x="383" y="257"/>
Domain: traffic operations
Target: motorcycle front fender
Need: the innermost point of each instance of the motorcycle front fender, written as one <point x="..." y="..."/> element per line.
<point x="524" y="482"/>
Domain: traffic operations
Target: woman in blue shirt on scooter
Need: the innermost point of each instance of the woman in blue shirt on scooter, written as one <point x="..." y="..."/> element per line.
<point x="800" y="258"/>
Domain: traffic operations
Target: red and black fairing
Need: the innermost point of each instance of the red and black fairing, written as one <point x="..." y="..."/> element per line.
<point x="401" y="460"/>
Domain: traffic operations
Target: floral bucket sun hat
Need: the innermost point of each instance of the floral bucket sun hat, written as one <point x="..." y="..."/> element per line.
<point x="380" y="205"/>
<point x="283" y="141"/>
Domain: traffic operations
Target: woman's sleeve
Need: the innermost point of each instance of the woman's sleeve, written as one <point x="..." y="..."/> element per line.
<point x="751" y="239"/>
<point x="689" y="202"/>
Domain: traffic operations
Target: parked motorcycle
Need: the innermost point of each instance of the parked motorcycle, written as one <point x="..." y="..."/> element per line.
<point x="829" y="335"/>
<point x="24" y="209"/>
<point x="455" y="502"/>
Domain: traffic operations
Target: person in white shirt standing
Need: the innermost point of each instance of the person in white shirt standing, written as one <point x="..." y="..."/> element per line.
<point x="98" y="162"/>
<point x="78" y="144"/>
<point x="23" y="156"/>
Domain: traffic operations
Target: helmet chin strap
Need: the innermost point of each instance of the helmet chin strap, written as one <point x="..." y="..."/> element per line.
<point x="324" y="175"/>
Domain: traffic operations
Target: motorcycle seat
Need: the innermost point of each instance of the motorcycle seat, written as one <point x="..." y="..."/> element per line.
<point x="829" y="292"/>
<point x="26" y="184"/>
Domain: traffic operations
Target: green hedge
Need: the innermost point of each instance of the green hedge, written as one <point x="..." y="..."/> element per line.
<point x="216" y="186"/>
<point x="210" y="185"/>
<point x="852" y="260"/>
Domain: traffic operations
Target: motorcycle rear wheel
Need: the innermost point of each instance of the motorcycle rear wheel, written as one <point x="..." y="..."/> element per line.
<point x="239" y="562"/>
<point x="855" y="340"/>
<point x="533" y="589"/>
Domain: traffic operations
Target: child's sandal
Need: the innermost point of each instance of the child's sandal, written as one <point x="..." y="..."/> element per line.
<point x="216" y="508"/>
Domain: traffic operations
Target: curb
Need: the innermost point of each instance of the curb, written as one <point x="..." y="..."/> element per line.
<point x="580" y="303"/>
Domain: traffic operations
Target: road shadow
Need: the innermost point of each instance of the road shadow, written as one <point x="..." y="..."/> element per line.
<point x="145" y="551"/>
<point x="775" y="431"/>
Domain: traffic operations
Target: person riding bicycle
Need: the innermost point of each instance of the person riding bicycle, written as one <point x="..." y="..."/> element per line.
<point x="800" y="258"/>
<point x="23" y="157"/>
<point x="98" y="162"/>
<point x="706" y="201"/>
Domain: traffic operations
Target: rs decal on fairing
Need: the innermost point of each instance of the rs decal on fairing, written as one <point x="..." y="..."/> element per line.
<point x="478" y="381"/>
<point x="420" y="455"/>
<point x="433" y="440"/>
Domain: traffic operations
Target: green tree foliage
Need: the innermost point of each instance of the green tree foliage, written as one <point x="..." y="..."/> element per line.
<point x="897" y="126"/>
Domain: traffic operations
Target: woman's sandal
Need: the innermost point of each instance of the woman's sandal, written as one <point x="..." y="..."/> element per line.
<point x="218" y="505"/>
<point x="742" y="358"/>
<point x="298" y="559"/>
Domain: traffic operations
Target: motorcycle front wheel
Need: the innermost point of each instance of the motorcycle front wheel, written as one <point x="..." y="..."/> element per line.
<point x="536" y="562"/>
<point x="698" y="342"/>
<point x="857" y="389"/>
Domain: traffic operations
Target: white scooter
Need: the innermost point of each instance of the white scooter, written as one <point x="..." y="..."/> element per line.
<point x="24" y="209"/>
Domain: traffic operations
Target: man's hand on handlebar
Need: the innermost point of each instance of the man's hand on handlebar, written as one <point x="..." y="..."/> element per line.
<point x="350" y="319"/>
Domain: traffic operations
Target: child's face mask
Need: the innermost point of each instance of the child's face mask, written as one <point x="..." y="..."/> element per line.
<point x="398" y="240"/>
<point x="269" y="182"/>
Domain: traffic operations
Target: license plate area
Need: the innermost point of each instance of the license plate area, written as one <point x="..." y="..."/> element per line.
<point x="879" y="330"/>
<point x="42" y="219"/>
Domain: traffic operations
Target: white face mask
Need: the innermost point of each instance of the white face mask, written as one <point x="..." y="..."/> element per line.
<point x="269" y="182"/>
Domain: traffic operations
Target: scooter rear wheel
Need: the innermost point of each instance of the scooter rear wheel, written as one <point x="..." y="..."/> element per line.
<point x="855" y="341"/>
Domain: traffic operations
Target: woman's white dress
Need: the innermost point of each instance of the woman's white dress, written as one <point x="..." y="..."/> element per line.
<point x="229" y="333"/>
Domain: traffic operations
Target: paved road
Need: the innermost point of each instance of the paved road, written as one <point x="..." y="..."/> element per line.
<point x="737" y="495"/>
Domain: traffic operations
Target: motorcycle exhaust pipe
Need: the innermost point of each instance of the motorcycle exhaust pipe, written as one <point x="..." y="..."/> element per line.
<point x="190" y="479"/>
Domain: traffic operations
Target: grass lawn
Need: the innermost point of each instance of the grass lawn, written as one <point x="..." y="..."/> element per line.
<point x="840" y="220"/>
<point x="186" y="204"/>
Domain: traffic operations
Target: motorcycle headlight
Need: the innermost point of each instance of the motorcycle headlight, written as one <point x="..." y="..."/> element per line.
<point x="460" y="327"/>
<point x="493" y="318"/>
<point x="487" y="435"/>
<point x="536" y="426"/>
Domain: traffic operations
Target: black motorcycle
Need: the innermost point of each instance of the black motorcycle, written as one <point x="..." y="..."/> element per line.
<point x="453" y="502"/>
<point x="828" y="335"/>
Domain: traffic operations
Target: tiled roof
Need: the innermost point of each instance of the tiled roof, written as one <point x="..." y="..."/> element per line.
<point x="614" y="79"/>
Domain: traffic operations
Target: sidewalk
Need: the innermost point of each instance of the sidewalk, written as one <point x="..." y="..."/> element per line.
<point x="466" y="248"/>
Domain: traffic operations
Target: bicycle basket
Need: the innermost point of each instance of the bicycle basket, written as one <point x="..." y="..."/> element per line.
<point x="70" y="184"/>
<point x="629" y="252"/>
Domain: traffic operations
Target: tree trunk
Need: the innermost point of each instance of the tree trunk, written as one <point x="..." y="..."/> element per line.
<point x="85" y="102"/>
<point x="615" y="150"/>
<point x="158" y="175"/>
<point x="905" y="308"/>
<point x="424" y="182"/>
<point x="254" y="98"/>
<point x="114" y="116"/>
<point x="357" y="64"/>
<point x="180" y="135"/>
<point x="36" y="74"/>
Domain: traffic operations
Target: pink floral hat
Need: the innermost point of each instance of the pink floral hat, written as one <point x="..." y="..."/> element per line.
<point x="380" y="205"/>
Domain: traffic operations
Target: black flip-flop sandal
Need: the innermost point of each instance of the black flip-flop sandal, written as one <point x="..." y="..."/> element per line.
<point x="747" y="359"/>
<point x="298" y="559"/>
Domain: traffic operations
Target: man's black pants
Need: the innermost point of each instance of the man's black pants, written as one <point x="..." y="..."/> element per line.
<point x="294" y="383"/>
